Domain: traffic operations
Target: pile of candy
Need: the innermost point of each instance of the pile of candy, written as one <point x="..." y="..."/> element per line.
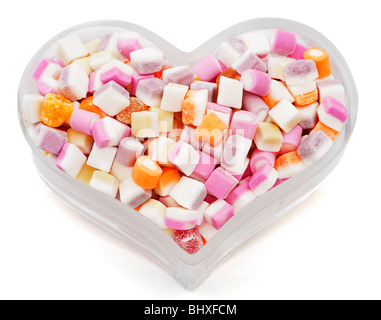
<point x="186" y="146"/>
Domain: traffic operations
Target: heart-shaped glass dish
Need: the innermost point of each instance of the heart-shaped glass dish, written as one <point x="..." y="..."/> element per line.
<point x="111" y="214"/>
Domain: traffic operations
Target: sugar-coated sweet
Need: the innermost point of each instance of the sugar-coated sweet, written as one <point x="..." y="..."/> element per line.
<point x="150" y="91"/>
<point x="146" y="172"/>
<point x="145" y="124"/>
<point x="31" y="107"/>
<point x="155" y="211"/>
<point x="230" y="93"/>
<point x="211" y="130"/>
<point x="256" y="82"/>
<point x="205" y="166"/>
<point x="240" y="196"/>
<point x="222" y="112"/>
<point x="255" y="104"/>
<point x="188" y="240"/>
<point x="147" y="60"/>
<point x="181" y="219"/>
<point x="208" y="68"/>
<point x="313" y="147"/>
<point x="83" y="121"/>
<point x="210" y="86"/>
<point x="333" y="89"/>
<point x="220" y="183"/>
<point x="278" y="92"/>
<point x="112" y="98"/>
<point x="83" y="141"/>
<point x="285" y="115"/>
<point x="168" y="180"/>
<point x="101" y="158"/>
<point x="235" y="151"/>
<point x="158" y="150"/>
<point x="117" y="71"/>
<point x="184" y="157"/>
<point x="194" y="106"/>
<point x="120" y="171"/>
<point x="268" y="137"/>
<point x="283" y="42"/>
<point x="244" y="123"/>
<point x="321" y="59"/>
<point x="73" y="82"/>
<point x="300" y="72"/>
<point x="181" y="75"/>
<point x="291" y="139"/>
<point x="108" y="132"/>
<point x="288" y="165"/>
<point x="189" y="193"/>
<point x="332" y="113"/>
<point x="133" y="195"/>
<point x="249" y="60"/>
<point x="218" y="213"/>
<point x="263" y="179"/>
<point x="231" y="50"/>
<point x="50" y="139"/>
<point x="173" y="97"/>
<point x="70" y="48"/>
<point x="47" y="68"/>
<point x="260" y="158"/>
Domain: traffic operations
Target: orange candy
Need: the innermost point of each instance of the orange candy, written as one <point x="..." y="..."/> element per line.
<point x="55" y="110"/>
<point x="270" y="101"/>
<point x="286" y="159"/>
<point x="87" y="104"/>
<point x="159" y="74"/>
<point x="321" y="59"/>
<point x="169" y="178"/>
<point x="146" y="172"/>
<point x="320" y="126"/>
<point x="136" y="105"/>
<point x="211" y="129"/>
<point x="229" y="73"/>
<point x="307" y="98"/>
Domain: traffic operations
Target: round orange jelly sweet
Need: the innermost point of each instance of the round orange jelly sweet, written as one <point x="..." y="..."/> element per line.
<point x="55" y="110"/>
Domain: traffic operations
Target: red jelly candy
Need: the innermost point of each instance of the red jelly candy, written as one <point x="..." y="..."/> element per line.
<point x="189" y="240"/>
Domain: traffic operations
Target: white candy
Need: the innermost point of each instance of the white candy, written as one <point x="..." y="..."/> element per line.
<point x="257" y="42"/>
<point x="230" y="50"/>
<point x="333" y="89"/>
<point x="159" y="149"/>
<point x="133" y="195"/>
<point x="93" y="45"/>
<point x="207" y="230"/>
<point x="184" y="157"/>
<point x="230" y="93"/>
<point x="147" y="60"/>
<point x="111" y="98"/>
<point x="188" y="136"/>
<point x="105" y="183"/>
<point x="276" y="65"/>
<point x="234" y="153"/>
<point x="173" y="97"/>
<point x="285" y="115"/>
<point x="309" y="116"/>
<point x="99" y="59"/>
<point x="110" y="43"/>
<point x="120" y="171"/>
<point x="189" y="193"/>
<point x="278" y="91"/>
<point x="73" y="82"/>
<point x="103" y="158"/>
<point x="71" y="159"/>
<point x="31" y="107"/>
<point x="302" y="89"/>
<point x="155" y="211"/>
<point x="70" y="48"/>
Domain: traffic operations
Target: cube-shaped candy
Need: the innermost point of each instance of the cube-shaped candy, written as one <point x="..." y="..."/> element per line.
<point x="111" y="98"/>
<point x="285" y="115"/>
<point x="173" y="97"/>
<point x="129" y="150"/>
<point x="278" y="92"/>
<point x="51" y="140"/>
<point x="83" y="141"/>
<point x="47" y="68"/>
<point x="288" y="165"/>
<point x="147" y="60"/>
<point x="110" y="43"/>
<point x="224" y="113"/>
<point x="102" y="158"/>
<point x="181" y="219"/>
<point x="154" y="211"/>
<point x="184" y="157"/>
<point x="194" y="106"/>
<point x="70" y="48"/>
<point x="230" y="50"/>
<point x="309" y="115"/>
<point x="95" y="82"/>
<point x="277" y="65"/>
<point x="165" y="119"/>
<point x="297" y="90"/>
<point x="257" y="42"/>
<point x="218" y="213"/>
<point x="84" y="63"/>
<point x="181" y="75"/>
<point x="240" y="196"/>
<point x="236" y="149"/>
<point x="150" y="91"/>
<point x="105" y="183"/>
<point x="31" y="107"/>
<point x="146" y="172"/>
<point x="249" y="60"/>
<point x="333" y="89"/>
<point x="168" y="179"/>
<point x="93" y="45"/>
<point x="205" y="166"/>
<point x="47" y="85"/>
<point x="210" y="86"/>
<point x="300" y="72"/>
<point x="120" y="171"/>
<point x="86" y="174"/>
<point x="211" y="130"/>
<point x="128" y="42"/>
<point x="101" y="58"/>
<point x="263" y="179"/>
<point x="108" y="132"/>
<point x="208" y="68"/>
<point x="159" y="150"/>
<point x="145" y="124"/>
<point x="220" y="183"/>
<point x="188" y="135"/>
<point x="314" y="147"/>
<point x="189" y="193"/>
<point x="230" y="93"/>
<point x="244" y="123"/>
<point x="135" y="105"/>
<point x="291" y="139"/>
<point x="283" y="42"/>
<point x="298" y="52"/>
<point x="268" y="137"/>
<point x="70" y="159"/>
<point x="133" y="195"/>
<point x="135" y="81"/>
<point x="117" y="71"/>
<point x="73" y="82"/>
<point x="332" y="113"/>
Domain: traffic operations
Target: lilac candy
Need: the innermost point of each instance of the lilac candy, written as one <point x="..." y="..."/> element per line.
<point x="210" y="86"/>
<point x="51" y="140"/>
<point x="150" y="91"/>
<point x="129" y="150"/>
<point x="180" y="75"/>
<point x="300" y="72"/>
<point x="313" y="147"/>
<point x="249" y="60"/>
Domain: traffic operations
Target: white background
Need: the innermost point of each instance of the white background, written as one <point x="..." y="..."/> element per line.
<point x="327" y="248"/>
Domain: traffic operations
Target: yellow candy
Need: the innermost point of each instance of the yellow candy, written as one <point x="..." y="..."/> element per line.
<point x="165" y="119"/>
<point x="86" y="174"/>
<point x="83" y="141"/>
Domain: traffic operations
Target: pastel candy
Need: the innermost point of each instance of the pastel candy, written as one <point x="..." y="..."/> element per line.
<point x="181" y="219"/>
<point x="194" y="106"/>
<point x="51" y="140"/>
<point x="256" y="82"/>
<point x="263" y="179"/>
<point x="105" y="183"/>
<point x="278" y="92"/>
<point x="135" y="81"/>
<point x="333" y="89"/>
<point x="291" y="139"/>
<point x="208" y="68"/>
<point x="218" y="213"/>
<point x="224" y="113"/>
<point x="210" y="86"/>
<point x="244" y="123"/>
<point x="117" y="71"/>
<point x="108" y="132"/>
<point x="173" y="97"/>
<point x="128" y="44"/>
<point x="298" y="52"/>
<point x="205" y="166"/>
<point x="46" y="85"/>
<point x="145" y="124"/>
<point x="101" y="58"/>
<point x="102" y="158"/>
<point x="260" y="158"/>
<point x="240" y="196"/>
<point x="332" y="113"/>
<point x="268" y="137"/>
<point x="70" y="159"/>
<point x="181" y="75"/>
<point x="276" y="66"/>
<point x="230" y="92"/>
<point x="154" y="211"/>
<point x="48" y="68"/>
<point x="236" y="149"/>
<point x="255" y="104"/>
<point x="133" y="195"/>
<point x="147" y="60"/>
<point x="285" y="115"/>
<point x="189" y="193"/>
<point x="111" y="98"/>
<point x="314" y="147"/>
<point x="184" y="157"/>
<point x="211" y="130"/>
<point x="150" y="91"/>
<point x="168" y="180"/>
<point x="31" y="107"/>
<point x="230" y="50"/>
<point x="159" y="150"/>
<point x="283" y="42"/>
<point x="220" y="183"/>
<point x="249" y="60"/>
<point x="70" y="48"/>
<point x="110" y="43"/>
<point x="288" y="165"/>
<point x="120" y="171"/>
<point x="83" y="141"/>
<point x="73" y="82"/>
<point x="83" y="121"/>
<point x="257" y="42"/>
<point x="129" y="150"/>
<point x="309" y="116"/>
<point x="95" y="82"/>
<point x="188" y="135"/>
<point x="300" y="72"/>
